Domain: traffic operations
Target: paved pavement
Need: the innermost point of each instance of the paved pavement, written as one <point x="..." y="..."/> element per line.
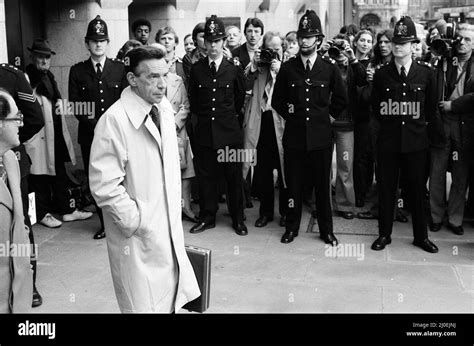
<point x="257" y="273"/>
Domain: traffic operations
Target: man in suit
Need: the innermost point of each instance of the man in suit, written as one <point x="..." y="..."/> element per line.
<point x="96" y="84"/>
<point x="308" y="89"/>
<point x="404" y="99"/>
<point x="14" y="81"/>
<point x="454" y="88"/>
<point x="216" y="95"/>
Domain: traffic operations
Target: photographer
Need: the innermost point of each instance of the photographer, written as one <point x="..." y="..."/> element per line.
<point x="455" y="81"/>
<point x="263" y="129"/>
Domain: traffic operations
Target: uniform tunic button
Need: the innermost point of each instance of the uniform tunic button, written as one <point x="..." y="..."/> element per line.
<point x="100" y="82"/>
<point x="307" y="119"/>
<point x="403" y="123"/>
<point x="101" y="91"/>
<point x="212" y="118"/>
<point x="102" y="109"/>
<point x="404" y="94"/>
<point x="462" y="123"/>
<point x="404" y="84"/>
<point x="213" y="99"/>
<point x="307" y="100"/>
<point x="213" y="109"/>
<point x="307" y="90"/>
<point x="307" y="109"/>
<point x="214" y="90"/>
<point x="102" y="100"/>
<point x="388" y="89"/>
<point x="214" y="80"/>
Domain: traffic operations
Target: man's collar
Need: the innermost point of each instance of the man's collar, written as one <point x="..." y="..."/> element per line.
<point x="312" y="59"/>
<point x="101" y="61"/>
<point x="218" y="61"/>
<point x="407" y="66"/>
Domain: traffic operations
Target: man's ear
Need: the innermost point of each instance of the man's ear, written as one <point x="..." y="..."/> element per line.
<point x="132" y="79"/>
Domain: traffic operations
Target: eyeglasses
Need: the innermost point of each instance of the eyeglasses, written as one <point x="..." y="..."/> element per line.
<point x="18" y="119"/>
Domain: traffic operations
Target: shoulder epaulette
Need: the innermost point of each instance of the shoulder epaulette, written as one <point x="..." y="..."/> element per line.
<point x="383" y="65"/>
<point x="118" y="61"/>
<point x="424" y="63"/>
<point x="329" y="59"/>
<point x="9" y="67"/>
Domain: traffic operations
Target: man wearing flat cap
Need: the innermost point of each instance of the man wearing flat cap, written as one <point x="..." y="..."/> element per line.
<point x="98" y="82"/>
<point x="216" y="95"/>
<point x="404" y="103"/>
<point x="308" y="90"/>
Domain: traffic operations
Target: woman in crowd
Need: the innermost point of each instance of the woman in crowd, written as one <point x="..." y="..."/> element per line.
<point x="290" y="46"/>
<point x="16" y="283"/>
<point x="234" y="37"/>
<point x="188" y="43"/>
<point x="363" y="156"/>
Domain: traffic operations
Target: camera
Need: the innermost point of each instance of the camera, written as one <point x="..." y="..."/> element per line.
<point x="266" y="56"/>
<point x="337" y="46"/>
<point x="443" y="45"/>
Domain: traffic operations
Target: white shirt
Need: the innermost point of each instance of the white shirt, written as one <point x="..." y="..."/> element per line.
<point x="407" y="67"/>
<point x="217" y="61"/>
<point x="101" y="62"/>
<point x="312" y="60"/>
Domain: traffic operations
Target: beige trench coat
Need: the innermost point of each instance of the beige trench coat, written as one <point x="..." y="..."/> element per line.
<point x="16" y="276"/>
<point x="40" y="147"/>
<point x="134" y="176"/>
<point x="253" y="121"/>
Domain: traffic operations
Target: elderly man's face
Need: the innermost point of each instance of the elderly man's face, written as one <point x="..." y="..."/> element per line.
<point x="149" y="80"/>
<point x="467" y="43"/>
<point x="41" y="61"/>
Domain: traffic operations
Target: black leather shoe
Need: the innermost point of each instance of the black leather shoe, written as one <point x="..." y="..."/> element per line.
<point x="426" y="245"/>
<point x="348" y="215"/>
<point x="262" y="221"/>
<point x="248" y="205"/>
<point x="185" y="217"/>
<point x="37" y="299"/>
<point x="456" y="229"/>
<point x="202" y="226"/>
<point x="366" y="215"/>
<point x="283" y="221"/>
<point x="380" y="243"/>
<point x="435" y="226"/>
<point x="400" y="217"/>
<point x="360" y="202"/>
<point x="240" y="229"/>
<point x="329" y="239"/>
<point x="288" y="237"/>
<point x="100" y="234"/>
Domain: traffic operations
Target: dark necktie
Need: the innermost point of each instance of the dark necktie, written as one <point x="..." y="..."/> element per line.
<point x="308" y="67"/>
<point x="155" y="116"/>
<point x="99" y="70"/>
<point x="213" y="68"/>
<point x="403" y="73"/>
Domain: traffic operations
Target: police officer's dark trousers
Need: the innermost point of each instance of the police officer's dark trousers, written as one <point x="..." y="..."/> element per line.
<point x="319" y="163"/>
<point x="412" y="165"/>
<point x="208" y="170"/>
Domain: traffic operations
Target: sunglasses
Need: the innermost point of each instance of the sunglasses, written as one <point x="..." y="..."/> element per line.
<point x="18" y="119"/>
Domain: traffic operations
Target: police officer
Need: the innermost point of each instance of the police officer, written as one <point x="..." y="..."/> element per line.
<point x="404" y="99"/>
<point x="302" y="96"/>
<point x="216" y="95"/>
<point x="94" y="85"/>
<point x="14" y="81"/>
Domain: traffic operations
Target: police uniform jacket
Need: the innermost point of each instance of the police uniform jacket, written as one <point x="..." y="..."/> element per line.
<point x="85" y="85"/>
<point x="14" y="81"/>
<point x="306" y="102"/>
<point x="217" y="101"/>
<point x="405" y="132"/>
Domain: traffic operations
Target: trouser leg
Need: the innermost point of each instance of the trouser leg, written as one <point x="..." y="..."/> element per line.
<point x="387" y="181"/>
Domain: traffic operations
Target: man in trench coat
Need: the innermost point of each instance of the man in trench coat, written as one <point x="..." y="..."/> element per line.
<point x="135" y="177"/>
